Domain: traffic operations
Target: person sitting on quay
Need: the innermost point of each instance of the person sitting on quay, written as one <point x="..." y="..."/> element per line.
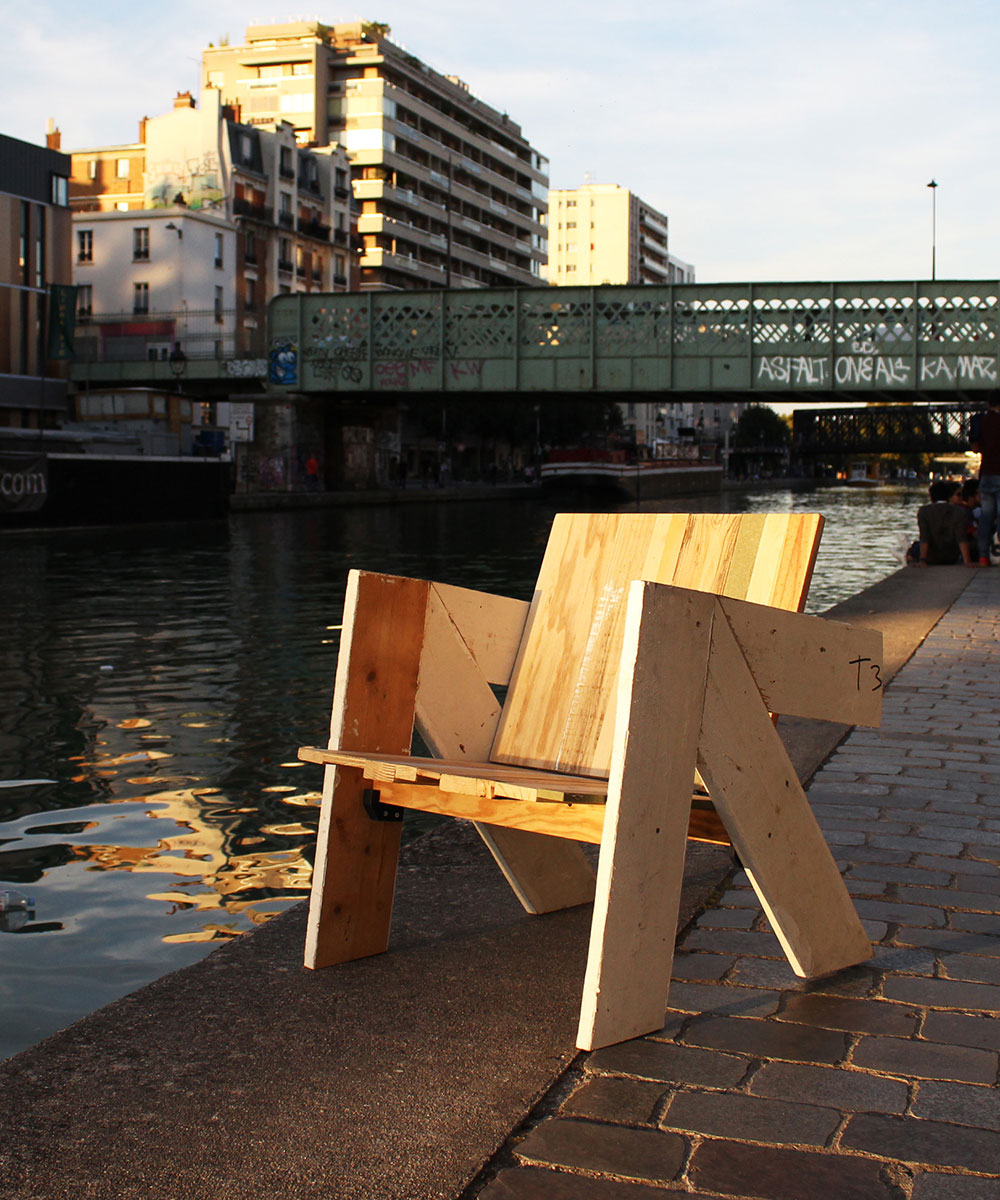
<point x="943" y="527"/>
<point x="984" y="437"/>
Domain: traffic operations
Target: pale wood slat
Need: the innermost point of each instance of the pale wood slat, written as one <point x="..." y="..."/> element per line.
<point x="641" y="866"/>
<point x="757" y="793"/>
<point x="810" y="666"/>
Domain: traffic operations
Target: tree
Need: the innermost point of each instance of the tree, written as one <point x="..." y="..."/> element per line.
<point x="760" y="428"/>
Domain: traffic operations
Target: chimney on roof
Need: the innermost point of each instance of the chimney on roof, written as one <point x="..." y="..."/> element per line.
<point x="53" y="137"/>
<point x="142" y="129"/>
<point x="184" y="100"/>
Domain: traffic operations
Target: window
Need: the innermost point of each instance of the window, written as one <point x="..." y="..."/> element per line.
<point x="84" y="300"/>
<point x="84" y="245"/>
<point x="301" y="68"/>
<point x="140" y="244"/>
<point x="571" y="204"/>
<point x="251" y="293"/>
<point x="121" y="206"/>
<point x="250" y="246"/>
<point x="60" y="190"/>
<point x="218" y="249"/>
<point x="218" y="305"/>
<point x="570" y="224"/>
<point x="92" y="169"/>
<point x="122" y="168"/>
<point x="140" y="298"/>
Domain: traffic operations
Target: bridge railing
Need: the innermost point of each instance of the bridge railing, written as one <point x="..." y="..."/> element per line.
<point x="850" y="338"/>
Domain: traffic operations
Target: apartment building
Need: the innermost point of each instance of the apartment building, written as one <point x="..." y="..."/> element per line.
<point x="192" y="229"/>
<point x="34" y="266"/>
<point x="450" y="192"/>
<point x="603" y="233"/>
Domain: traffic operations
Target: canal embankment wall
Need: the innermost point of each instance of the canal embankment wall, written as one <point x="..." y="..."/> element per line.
<point x="390" y="1078"/>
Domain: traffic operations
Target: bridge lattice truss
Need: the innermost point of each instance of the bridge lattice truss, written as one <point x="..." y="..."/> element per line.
<point x="866" y="340"/>
<point x="885" y="429"/>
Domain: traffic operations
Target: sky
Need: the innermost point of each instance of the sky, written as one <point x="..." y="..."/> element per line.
<point x="785" y="140"/>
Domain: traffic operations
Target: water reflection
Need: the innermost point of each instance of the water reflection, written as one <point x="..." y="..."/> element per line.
<point x="155" y="684"/>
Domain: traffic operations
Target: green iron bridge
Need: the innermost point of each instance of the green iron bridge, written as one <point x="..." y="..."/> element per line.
<point x="788" y="342"/>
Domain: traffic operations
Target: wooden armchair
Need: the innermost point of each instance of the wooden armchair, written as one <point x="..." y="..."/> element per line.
<point x="653" y="653"/>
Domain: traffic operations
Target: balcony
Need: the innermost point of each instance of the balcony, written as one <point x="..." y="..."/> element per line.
<point x="340" y="237"/>
<point x="315" y="229"/>
<point x="286" y="265"/>
<point x="286" y="220"/>
<point x="247" y="208"/>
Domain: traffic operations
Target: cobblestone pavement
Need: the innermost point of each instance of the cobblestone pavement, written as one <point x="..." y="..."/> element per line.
<point x="879" y="1082"/>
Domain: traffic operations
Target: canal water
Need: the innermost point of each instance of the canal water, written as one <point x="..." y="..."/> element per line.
<point x="156" y="682"/>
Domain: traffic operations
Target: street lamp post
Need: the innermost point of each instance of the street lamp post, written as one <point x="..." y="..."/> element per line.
<point x="933" y="186"/>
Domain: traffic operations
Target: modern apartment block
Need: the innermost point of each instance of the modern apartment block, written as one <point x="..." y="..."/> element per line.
<point x="450" y="192"/>
<point x="603" y="233"/>
<point x="190" y="231"/>
<point x="34" y="256"/>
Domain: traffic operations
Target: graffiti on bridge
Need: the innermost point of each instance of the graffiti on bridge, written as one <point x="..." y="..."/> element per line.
<point x="800" y="370"/>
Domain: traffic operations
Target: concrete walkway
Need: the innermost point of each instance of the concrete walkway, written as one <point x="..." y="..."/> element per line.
<point x="399" y="1077"/>
<point x="880" y="1082"/>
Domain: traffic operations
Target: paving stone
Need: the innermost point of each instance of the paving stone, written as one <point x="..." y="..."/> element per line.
<point x="645" y="1154"/>
<point x="768" y="1039"/>
<point x="959" y="1102"/>
<point x="933" y="1142"/>
<point x="942" y="993"/>
<point x="875" y="854"/>
<point x="981" y="902"/>
<point x="701" y="966"/>
<point x="933" y="1186"/>
<point x="723" y="999"/>
<point x="925" y="1060"/>
<point x="776" y="1173"/>
<point x="668" y="1063"/>
<point x="855" y="1016"/>
<point x="892" y="874"/>
<point x="725" y="1114"/>
<point x="765" y="972"/>
<point x="914" y="844"/>
<point x="835" y="1087"/>
<point x="608" y="1098"/>
<point x="954" y="940"/>
<point x="981" y="883"/>
<point x="979" y="923"/>
<point x="727" y="918"/>
<point x="734" y="941"/>
<point x="904" y="960"/>
<point x="540" y="1183"/>
<point x="964" y="866"/>
<point x="971" y="967"/>
<point x="912" y="914"/>
<point x="962" y="1030"/>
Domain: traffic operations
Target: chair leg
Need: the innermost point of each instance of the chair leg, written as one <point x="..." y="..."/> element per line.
<point x="641" y="869"/>
<point x="756" y="791"/>
<point x="355" y="871"/>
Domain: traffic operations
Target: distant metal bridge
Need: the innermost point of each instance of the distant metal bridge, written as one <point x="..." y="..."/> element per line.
<point x="755" y="341"/>
<point x="883" y="429"/>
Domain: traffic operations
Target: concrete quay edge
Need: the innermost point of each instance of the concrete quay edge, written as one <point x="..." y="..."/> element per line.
<point x="400" y="1077"/>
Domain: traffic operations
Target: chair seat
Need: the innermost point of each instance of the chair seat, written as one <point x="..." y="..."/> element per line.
<point x="501" y="784"/>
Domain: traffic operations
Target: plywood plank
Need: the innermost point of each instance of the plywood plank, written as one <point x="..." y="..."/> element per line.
<point x="354" y="876"/>
<point x="758" y="796"/>
<point x="456" y="714"/>
<point x="640" y="873"/>
<point x="557" y="715"/>
<point x="809" y="666"/>
<point x="575" y="822"/>
<point x="490" y="626"/>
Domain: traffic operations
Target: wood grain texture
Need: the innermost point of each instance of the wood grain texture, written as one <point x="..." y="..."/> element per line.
<point x="809" y="666"/>
<point x="641" y="867"/>
<point x="757" y="794"/>
<point x="350" y="906"/>
<point x="558" y="715"/>
<point x="456" y="714"/>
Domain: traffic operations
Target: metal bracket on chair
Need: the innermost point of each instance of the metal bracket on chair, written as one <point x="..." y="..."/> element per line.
<point x="378" y="811"/>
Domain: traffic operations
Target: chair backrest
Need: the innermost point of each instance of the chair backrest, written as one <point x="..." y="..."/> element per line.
<point x="559" y="712"/>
